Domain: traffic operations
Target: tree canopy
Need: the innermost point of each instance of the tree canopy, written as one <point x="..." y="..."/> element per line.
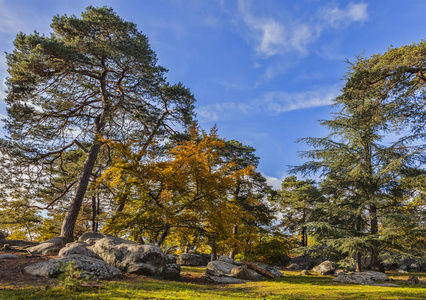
<point x="93" y="78"/>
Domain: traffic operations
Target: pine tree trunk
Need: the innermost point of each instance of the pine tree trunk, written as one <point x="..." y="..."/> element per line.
<point x="375" y="263"/>
<point x="358" y="266"/>
<point x="70" y="219"/>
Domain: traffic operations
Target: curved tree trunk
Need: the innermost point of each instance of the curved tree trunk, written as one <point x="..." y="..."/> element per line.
<point x="70" y="219"/>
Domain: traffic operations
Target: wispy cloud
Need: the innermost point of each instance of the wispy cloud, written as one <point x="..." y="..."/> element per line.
<point x="336" y="17"/>
<point x="272" y="36"/>
<point x="271" y="103"/>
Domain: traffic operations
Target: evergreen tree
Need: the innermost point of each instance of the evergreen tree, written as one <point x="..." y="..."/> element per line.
<point x="361" y="172"/>
<point x="94" y="78"/>
<point x="297" y="201"/>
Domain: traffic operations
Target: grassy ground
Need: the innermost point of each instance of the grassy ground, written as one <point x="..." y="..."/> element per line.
<point x="290" y="286"/>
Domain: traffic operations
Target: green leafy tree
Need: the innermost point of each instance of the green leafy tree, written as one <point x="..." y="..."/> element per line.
<point x="94" y="78"/>
<point x="362" y="172"/>
<point x="298" y="202"/>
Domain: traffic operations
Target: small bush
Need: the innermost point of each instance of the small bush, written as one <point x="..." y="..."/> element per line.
<point x="71" y="278"/>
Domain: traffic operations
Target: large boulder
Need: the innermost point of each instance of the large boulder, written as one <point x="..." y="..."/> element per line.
<point x="242" y="272"/>
<point x="364" y="278"/>
<point x="89" y="265"/>
<point x="325" y="268"/>
<point x="50" y="247"/>
<point x="91" y="237"/>
<point x="190" y="259"/>
<point x="171" y="271"/>
<point x="79" y="248"/>
<point x="131" y="257"/>
<point x="217" y="269"/>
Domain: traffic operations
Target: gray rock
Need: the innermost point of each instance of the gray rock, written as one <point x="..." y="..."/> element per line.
<point x="50" y="247"/>
<point x="274" y="270"/>
<point x="131" y="257"/>
<point x="171" y="271"/>
<point x="325" y="268"/>
<point x="190" y="259"/>
<point x="224" y="280"/>
<point x="364" y="278"/>
<point x="242" y="272"/>
<point x="8" y="256"/>
<point x="219" y="268"/>
<point x="78" y="247"/>
<point x="89" y="266"/>
<point x="377" y="276"/>
<point x="354" y="278"/>
<point x="226" y="259"/>
<point x="91" y="237"/>
<point x="402" y="271"/>
<point x="170" y="259"/>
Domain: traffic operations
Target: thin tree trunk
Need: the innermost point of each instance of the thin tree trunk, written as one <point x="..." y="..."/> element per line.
<point x="94" y="210"/>
<point x="375" y="263"/>
<point x="213" y="255"/>
<point x="358" y="257"/>
<point x="98" y="211"/>
<point x="164" y="234"/>
<point x="358" y="266"/>
<point x="234" y="247"/>
<point x="304" y="236"/>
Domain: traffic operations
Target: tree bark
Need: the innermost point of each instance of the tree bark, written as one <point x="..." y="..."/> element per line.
<point x="358" y="266"/>
<point x="375" y="262"/>
<point x="164" y="234"/>
<point x="70" y="219"/>
<point x="213" y="254"/>
<point x="94" y="211"/>
<point x="234" y="247"/>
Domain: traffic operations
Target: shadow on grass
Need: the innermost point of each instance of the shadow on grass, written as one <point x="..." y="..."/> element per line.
<point x="290" y="286"/>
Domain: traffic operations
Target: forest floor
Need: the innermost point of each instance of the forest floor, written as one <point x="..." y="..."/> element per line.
<point x="15" y="283"/>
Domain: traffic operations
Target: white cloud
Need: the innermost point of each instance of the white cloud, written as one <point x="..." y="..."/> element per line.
<point x="272" y="36"/>
<point x="271" y="103"/>
<point x="273" y="181"/>
<point x="354" y="12"/>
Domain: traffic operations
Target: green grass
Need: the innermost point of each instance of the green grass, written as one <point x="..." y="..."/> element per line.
<point x="291" y="286"/>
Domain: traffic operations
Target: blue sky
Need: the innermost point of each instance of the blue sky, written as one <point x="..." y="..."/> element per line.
<point x="263" y="71"/>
